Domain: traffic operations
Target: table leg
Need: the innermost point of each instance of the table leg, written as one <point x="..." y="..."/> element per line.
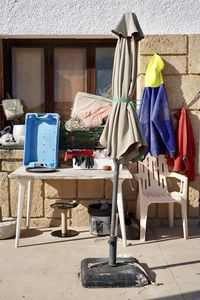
<point x="29" y="201"/>
<point x="121" y="211"/>
<point x="22" y="188"/>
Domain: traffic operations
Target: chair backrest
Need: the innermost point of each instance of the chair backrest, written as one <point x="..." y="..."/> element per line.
<point x="153" y="172"/>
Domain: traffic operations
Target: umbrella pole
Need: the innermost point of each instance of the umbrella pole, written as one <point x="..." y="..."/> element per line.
<point x="102" y="272"/>
<point x="113" y="238"/>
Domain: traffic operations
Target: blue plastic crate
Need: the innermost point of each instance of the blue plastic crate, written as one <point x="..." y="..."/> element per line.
<point x="41" y="140"/>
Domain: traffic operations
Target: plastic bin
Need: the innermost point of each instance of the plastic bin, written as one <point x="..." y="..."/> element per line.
<point x="41" y="140"/>
<point x="100" y="218"/>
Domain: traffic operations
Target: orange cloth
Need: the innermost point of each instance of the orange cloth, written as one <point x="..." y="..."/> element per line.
<point x="185" y="160"/>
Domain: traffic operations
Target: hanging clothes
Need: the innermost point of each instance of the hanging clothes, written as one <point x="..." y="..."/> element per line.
<point x="185" y="160"/>
<point x="154" y="114"/>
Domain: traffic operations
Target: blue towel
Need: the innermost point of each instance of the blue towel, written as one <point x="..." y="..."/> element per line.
<point x="156" y="122"/>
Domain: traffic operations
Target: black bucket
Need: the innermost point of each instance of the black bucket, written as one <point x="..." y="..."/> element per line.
<point x="100" y="218"/>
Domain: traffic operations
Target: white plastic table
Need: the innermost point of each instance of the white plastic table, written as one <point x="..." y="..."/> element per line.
<point x="26" y="179"/>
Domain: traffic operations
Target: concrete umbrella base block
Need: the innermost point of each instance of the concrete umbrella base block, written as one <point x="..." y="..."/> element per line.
<point x="96" y="272"/>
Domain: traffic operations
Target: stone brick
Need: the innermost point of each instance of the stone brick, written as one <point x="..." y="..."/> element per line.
<point x="11" y="154"/>
<point x="153" y="222"/>
<point x="182" y="89"/>
<point x="80" y="216"/>
<point x="173" y="64"/>
<point x="152" y="211"/>
<point x="130" y="206"/>
<point x="9" y="166"/>
<point x="128" y="193"/>
<point x="55" y="213"/>
<point x="193" y="57"/>
<point x="91" y="188"/>
<point x="162" y="210"/>
<point x="50" y="212"/>
<point x="4" y="197"/>
<point x="41" y="222"/>
<point x="195" y="120"/>
<point x="37" y="199"/>
<point x="139" y="86"/>
<point x="129" y="188"/>
<point x="108" y="189"/>
<point x="60" y="189"/>
<point x="163" y="44"/>
<point x="194" y="196"/>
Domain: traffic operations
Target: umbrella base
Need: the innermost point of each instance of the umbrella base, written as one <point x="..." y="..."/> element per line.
<point x="95" y="272"/>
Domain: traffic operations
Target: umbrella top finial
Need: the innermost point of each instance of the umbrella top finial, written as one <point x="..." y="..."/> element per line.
<point x="129" y="26"/>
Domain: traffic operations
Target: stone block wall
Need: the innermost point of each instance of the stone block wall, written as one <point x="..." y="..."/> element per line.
<point x="182" y="79"/>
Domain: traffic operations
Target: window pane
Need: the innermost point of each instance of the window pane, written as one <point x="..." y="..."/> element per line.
<point x="28" y="77"/>
<point x="69" y="78"/>
<point x="104" y="65"/>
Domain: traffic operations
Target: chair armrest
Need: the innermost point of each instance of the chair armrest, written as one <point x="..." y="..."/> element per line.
<point x="178" y="176"/>
<point x="184" y="182"/>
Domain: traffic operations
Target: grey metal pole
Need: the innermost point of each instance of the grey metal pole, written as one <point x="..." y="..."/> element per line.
<point x="113" y="237"/>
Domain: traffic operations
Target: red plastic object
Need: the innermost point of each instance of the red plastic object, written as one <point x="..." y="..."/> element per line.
<point x="85" y="152"/>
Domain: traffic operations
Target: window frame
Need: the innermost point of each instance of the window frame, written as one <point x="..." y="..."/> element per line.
<point x="48" y="45"/>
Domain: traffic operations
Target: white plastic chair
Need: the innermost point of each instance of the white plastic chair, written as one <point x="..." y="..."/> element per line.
<point x="151" y="176"/>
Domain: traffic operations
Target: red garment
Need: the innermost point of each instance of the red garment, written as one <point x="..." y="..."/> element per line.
<point x="185" y="160"/>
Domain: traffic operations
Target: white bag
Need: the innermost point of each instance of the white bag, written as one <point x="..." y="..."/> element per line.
<point x="13" y="109"/>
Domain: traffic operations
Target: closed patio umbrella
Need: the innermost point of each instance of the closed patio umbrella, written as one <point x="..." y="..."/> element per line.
<point x="122" y="135"/>
<point x="124" y="141"/>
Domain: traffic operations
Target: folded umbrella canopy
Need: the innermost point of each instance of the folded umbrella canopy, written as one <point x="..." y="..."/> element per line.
<point x="124" y="141"/>
<point x="122" y="135"/>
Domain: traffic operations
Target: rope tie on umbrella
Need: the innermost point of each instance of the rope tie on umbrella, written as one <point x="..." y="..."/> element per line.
<point x="123" y="100"/>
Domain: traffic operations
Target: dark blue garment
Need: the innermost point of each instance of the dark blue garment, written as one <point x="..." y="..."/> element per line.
<point x="156" y="122"/>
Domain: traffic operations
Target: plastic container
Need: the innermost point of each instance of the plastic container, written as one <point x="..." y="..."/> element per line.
<point x="99" y="163"/>
<point x="41" y="140"/>
<point x="100" y="218"/>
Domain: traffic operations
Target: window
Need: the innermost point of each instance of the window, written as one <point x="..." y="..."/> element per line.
<point x="46" y="74"/>
<point x="28" y="77"/>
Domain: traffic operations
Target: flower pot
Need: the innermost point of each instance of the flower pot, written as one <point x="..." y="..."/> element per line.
<point x="7" y="228"/>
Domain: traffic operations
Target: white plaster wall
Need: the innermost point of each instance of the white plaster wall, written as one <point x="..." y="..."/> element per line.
<point x="88" y="17"/>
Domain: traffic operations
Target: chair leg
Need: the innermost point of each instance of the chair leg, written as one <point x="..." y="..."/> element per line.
<point x="171" y="214"/>
<point x="184" y="219"/>
<point x="143" y="220"/>
<point x="138" y="207"/>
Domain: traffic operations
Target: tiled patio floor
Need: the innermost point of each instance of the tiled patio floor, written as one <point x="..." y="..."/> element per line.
<point x="47" y="268"/>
